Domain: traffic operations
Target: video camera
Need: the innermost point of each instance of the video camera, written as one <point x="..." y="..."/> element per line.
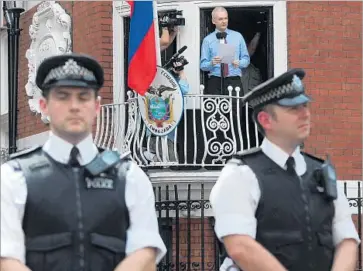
<point x="177" y="58"/>
<point x="171" y="18"/>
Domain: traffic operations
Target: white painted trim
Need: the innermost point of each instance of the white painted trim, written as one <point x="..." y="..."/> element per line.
<point x="280" y="37"/>
<point x="190" y="35"/>
<point x="27" y="5"/>
<point x="4" y="72"/>
<point x="4" y="131"/>
<point x="118" y="53"/>
<point x="118" y="66"/>
<point x="33" y="140"/>
<point x="156" y="32"/>
<point x="2" y="23"/>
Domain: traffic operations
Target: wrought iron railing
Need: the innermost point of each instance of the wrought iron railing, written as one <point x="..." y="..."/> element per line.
<point x="187" y="225"/>
<point x="213" y="127"/>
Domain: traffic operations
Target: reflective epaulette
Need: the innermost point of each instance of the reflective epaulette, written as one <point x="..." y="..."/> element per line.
<point x="313" y="157"/>
<point x="24" y="152"/>
<point x="239" y="156"/>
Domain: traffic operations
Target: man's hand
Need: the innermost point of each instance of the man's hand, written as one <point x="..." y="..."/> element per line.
<point x="175" y="29"/>
<point x="216" y="60"/>
<point x="235" y="63"/>
<point x="7" y="264"/>
<point x="345" y="258"/>
<point x="253" y="44"/>
<point x="247" y="253"/>
<point x="181" y="73"/>
<point x="164" y="20"/>
<point x="176" y="65"/>
<point x="140" y="260"/>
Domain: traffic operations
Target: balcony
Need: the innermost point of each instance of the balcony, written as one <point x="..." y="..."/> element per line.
<point x="211" y="130"/>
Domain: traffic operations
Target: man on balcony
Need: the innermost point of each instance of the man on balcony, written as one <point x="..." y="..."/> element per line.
<point x="69" y="205"/>
<point x="210" y="61"/>
<point x="279" y="209"/>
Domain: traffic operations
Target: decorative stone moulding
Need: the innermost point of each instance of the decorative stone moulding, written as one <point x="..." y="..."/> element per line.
<point x="50" y="34"/>
<point x="123" y="8"/>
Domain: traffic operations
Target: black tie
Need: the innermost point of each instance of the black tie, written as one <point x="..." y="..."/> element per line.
<point x="290" y="164"/>
<point x="73" y="161"/>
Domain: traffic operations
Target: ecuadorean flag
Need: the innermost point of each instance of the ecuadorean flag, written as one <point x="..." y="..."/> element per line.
<point x="142" y="46"/>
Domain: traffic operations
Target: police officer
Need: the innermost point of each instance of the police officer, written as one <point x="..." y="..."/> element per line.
<point x="68" y="205"/>
<point x="274" y="208"/>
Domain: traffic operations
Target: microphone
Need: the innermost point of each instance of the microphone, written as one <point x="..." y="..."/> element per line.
<point x="176" y="55"/>
<point x="221" y="36"/>
<point x="181" y="50"/>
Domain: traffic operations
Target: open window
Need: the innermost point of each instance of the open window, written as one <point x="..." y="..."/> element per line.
<point x="248" y="21"/>
<point x="171" y="50"/>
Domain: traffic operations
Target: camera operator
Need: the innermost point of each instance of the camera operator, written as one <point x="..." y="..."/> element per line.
<point x="167" y="35"/>
<point x="177" y="70"/>
<point x="169" y="28"/>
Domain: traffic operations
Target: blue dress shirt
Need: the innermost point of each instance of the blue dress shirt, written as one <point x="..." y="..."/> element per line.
<point x="210" y="50"/>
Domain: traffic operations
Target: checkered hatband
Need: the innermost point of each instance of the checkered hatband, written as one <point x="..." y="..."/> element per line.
<point x="70" y="69"/>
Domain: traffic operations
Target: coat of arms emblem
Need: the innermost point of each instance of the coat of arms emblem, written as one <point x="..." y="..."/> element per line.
<point x="162" y="106"/>
<point x="159" y="105"/>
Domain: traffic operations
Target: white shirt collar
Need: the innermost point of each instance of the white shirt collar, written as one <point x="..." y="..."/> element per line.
<point x="276" y="154"/>
<point x="60" y="150"/>
<point x="217" y="31"/>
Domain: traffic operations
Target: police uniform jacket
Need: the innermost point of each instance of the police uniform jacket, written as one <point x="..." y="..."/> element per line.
<point x="283" y="229"/>
<point x="65" y="223"/>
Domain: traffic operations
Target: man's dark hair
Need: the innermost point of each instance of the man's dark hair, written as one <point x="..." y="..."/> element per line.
<point x="268" y="109"/>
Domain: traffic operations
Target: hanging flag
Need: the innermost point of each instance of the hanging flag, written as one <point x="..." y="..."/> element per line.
<point x="142" y="46"/>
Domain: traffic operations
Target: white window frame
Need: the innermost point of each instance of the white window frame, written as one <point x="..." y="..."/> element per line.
<point x="4" y="107"/>
<point x="190" y="35"/>
<point x="4" y="72"/>
<point x="2" y="23"/>
<point x="26" y="5"/>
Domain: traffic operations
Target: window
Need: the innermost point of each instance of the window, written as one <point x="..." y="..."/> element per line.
<point x="248" y="21"/>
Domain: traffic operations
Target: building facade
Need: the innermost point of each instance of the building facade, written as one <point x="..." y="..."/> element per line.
<point x="324" y="38"/>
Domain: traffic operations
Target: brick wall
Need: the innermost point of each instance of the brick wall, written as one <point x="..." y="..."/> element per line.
<point x="325" y="38"/>
<point x="91" y="34"/>
<point x="194" y="243"/>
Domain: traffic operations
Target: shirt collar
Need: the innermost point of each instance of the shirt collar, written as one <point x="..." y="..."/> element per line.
<point x="276" y="154"/>
<point x="60" y="150"/>
<point x="217" y="31"/>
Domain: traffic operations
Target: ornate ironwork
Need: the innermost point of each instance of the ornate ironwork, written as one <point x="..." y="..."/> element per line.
<point x="217" y="110"/>
<point x="212" y="129"/>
